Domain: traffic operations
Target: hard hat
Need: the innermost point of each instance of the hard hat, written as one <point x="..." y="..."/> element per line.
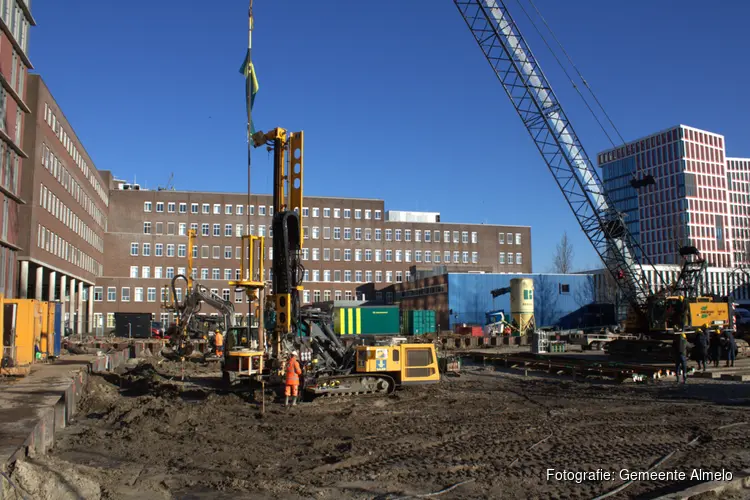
<point x="295" y="353"/>
<point x="217" y="331"/>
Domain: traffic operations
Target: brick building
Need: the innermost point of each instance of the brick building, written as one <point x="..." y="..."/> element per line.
<point x="65" y="215"/>
<point x="15" y="20"/>
<point x="353" y="247"/>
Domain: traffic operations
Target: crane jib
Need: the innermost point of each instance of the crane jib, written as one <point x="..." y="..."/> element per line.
<point x="535" y="102"/>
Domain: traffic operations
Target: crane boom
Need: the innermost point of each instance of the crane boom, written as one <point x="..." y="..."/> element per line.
<point x="531" y="94"/>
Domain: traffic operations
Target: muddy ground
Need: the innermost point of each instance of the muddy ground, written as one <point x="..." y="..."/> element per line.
<point x="147" y="435"/>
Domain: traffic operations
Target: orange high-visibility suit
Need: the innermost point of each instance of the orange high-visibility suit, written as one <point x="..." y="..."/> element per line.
<point x="219" y="343"/>
<point x="293" y="371"/>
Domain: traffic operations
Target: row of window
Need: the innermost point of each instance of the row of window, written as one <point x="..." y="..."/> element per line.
<point x="61" y="212"/>
<point x="16" y="21"/>
<point x="231" y="209"/>
<point x="78" y="158"/>
<point x="57" y="169"/>
<point x="56" y="245"/>
<point x="509" y="260"/>
<point x="4" y="119"/>
<point x="9" y="166"/>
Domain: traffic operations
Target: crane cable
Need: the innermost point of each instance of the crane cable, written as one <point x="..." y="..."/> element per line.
<point x="567" y="74"/>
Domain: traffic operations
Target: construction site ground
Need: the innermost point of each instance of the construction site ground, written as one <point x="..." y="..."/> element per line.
<point x="146" y="434"/>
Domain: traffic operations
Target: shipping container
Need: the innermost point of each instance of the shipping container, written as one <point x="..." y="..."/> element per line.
<point x="470" y="330"/>
<point x="419" y="322"/>
<point x="28" y="328"/>
<point x="366" y="320"/>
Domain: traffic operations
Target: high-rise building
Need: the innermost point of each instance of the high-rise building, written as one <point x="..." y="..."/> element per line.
<point x="14" y="64"/>
<point x="353" y="247"/>
<point x="677" y="188"/>
<point x="65" y="214"/>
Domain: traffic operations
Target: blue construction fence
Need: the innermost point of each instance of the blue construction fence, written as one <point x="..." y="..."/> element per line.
<point x="555" y="296"/>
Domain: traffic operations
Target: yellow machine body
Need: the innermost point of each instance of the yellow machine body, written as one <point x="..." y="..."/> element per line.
<point x="708" y="313"/>
<point x="406" y="363"/>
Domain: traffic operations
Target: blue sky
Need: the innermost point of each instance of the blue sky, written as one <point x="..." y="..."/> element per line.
<point x="395" y="98"/>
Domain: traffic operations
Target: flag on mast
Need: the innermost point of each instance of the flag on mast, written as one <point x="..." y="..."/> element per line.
<point x="251" y="80"/>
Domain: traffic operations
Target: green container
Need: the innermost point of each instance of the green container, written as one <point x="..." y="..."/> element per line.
<point x="420" y="321"/>
<point x="366" y="321"/>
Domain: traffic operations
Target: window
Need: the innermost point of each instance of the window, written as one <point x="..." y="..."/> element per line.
<point x="377" y="214"/>
<point x="146" y="206"/>
<point x="326" y="254"/>
<point x="138" y="294"/>
<point x="193" y="208"/>
<point x="399" y="277"/>
<point x="206" y="208"/>
<point x="389" y="276"/>
<point x="347" y="254"/>
<point x="388" y="234"/>
<point x="398" y="234"/>
<point x="227" y="252"/>
<point x="368" y="276"/>
<point x="217" y="229"/>
<point x="455" y="258"/>
<point x="305" y="232"/>
<point x="398" y="255"/>
<point x="316" y="254"/>
<point x="455" y="236"/>
<point x="146" y="272"/>
<point x="316" y="212"/>
<point x="378" y="255"/>
<point x="182" y="250"/>
<point x="170" y="209"/>
<point x="146" y="228"/>
<point x="417" y="255"/>
<point x="215" y="273"/>
<point x="564" y="288"/>
<point x="358" y="255"/>
<point x="261" y="210"/>
<point x="407" y="235"/>
<point x="446" y="236"/>
<point x="347" y="213"/>
<point x="217" y="209"/>
<point x="436" y="237"/>
<point x="368" y="234"/>
<point x="305" y="253"/>
<point x="368" y="214"/>
<point x="337" y="276"/>
<point x="378" y="276"/>
<point x="170" y="228"/>
<point x="427" y="234"/>
<point x="111" y="294"/>
<point x="157" y="272"/>
<point x="238" y="230"/>
<point x="228" y="230"/>
<point x="518" y="238"/>
<point x="407" y="256"/>
<point x="475" y="257"/>
<point x="501" y="239"/>
<point x="357" y="233"/>
<point x="510" y="258"/>
<point x="336" y="233"/>
<point x="378" y="234"/>
<point x="389" y="255"/>
<point x="159" y="249"/>
<point x="182" y="231"/>
<point x="305" y="212"/>
<point x="464" y="237"/>
<point x="160" y="206"/>
<point x="98" y="293"/>
<point x="358" y="276"/>
<point x="151" y="294"/>
<point x="216" y="251"/>
<point x="134" y="249"/>
<point x="227" y="274"/>
<point x="465" y="257"/>
<point x="239" y="209"/>
<point x="347" y="276"/>
<point x="125" y="294"/>
<point x="347" y="233"/>
<point x="436" y="257"/>
<point x="358" y="213"/>
<point x="326" y="233"/>
<point x="510" y="238"/>
<point x="228" y="209"/>
<point x="336" y="213"/>
<point x="327" y="213"/>
<point x="519" y="258"/>
<point x="427" y="256"/>
<point x="315" y="232"/>
<point x="205" y="229"/>
<point x="368" y="255"/>
<point x="474" y="237"/>
<point x="326" y="276"/>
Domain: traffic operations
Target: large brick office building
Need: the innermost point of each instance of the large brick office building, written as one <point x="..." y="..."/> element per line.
<point x="353" y="247"/>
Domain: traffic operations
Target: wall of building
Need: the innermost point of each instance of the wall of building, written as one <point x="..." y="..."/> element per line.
<point x="349" y="251"/>
<point x="15" y="21"/>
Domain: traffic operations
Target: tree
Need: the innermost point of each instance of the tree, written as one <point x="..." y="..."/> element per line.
<point x="563" y="262"/>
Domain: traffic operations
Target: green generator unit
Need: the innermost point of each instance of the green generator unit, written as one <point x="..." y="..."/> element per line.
<point x="366" y="321"/>
<point x="419" y="322"/>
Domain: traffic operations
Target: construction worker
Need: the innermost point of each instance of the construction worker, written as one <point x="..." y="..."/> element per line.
<point x="219" y="342"/>
<point x="701" y="348"/>
<point x="293" y="371"/>
<point x="680" y="347"/>
<point x="714" y="347"/>
<point x="730" y="346"/>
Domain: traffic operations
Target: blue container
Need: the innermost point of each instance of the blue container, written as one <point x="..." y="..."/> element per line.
<point x="58" y="328"/>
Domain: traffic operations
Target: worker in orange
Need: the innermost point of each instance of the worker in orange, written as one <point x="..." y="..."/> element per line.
<point x="219" y="342"/>
<point x="293" y="371"/>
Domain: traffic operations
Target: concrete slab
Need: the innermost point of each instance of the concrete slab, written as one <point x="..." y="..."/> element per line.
<point x="34" y="407"/>
<point x="735" y="377"/>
